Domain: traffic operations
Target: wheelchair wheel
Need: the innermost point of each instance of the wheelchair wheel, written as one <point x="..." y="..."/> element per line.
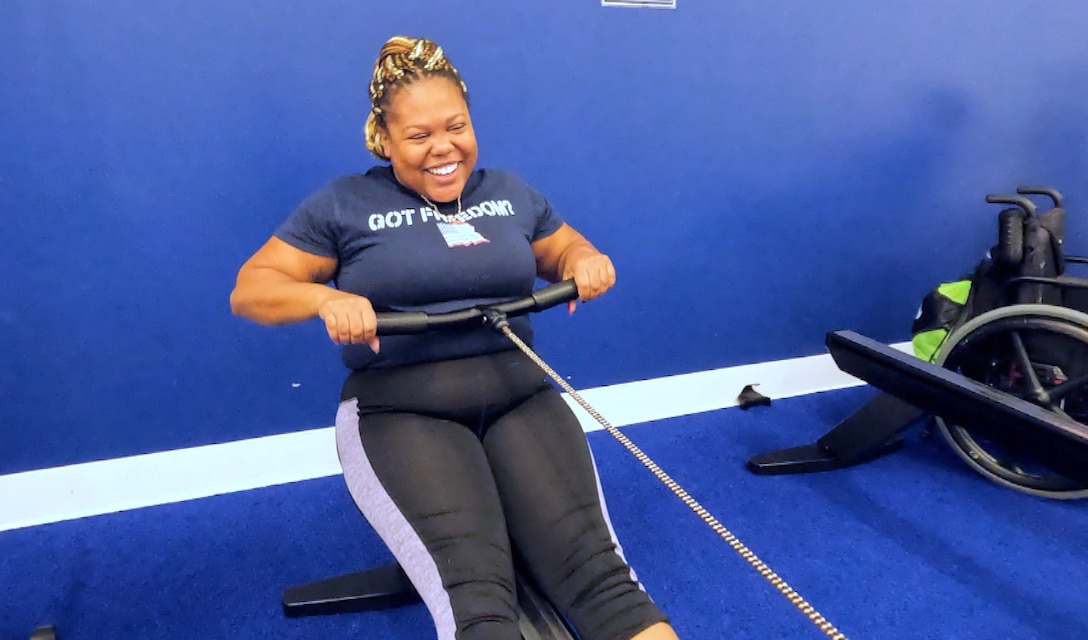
<point x="1027" y="351"/>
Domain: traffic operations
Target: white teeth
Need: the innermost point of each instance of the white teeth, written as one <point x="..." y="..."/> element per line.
<point x="443" y="171"/>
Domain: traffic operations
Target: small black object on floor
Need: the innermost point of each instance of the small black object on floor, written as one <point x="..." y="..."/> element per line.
<point x="749" y="397"/>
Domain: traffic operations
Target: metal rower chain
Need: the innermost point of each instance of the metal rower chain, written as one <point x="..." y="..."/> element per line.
<point x="795" y="598"/>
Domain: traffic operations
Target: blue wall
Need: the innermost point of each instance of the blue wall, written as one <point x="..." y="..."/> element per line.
<point x="759" y="172"/>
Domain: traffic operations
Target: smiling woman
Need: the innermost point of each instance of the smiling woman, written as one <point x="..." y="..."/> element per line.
<point x="454" y="445"/>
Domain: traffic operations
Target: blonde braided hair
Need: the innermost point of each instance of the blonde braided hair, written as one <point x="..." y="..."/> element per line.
<point x="401" y="61"/>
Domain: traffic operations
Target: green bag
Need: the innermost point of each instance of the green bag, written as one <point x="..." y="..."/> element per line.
<point x="942" y="310"/>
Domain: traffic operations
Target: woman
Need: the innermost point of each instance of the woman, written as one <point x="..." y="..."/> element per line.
<point x="455" y="447"/>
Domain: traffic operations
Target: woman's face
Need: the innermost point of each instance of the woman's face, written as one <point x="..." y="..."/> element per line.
<point x="429" y="139"/>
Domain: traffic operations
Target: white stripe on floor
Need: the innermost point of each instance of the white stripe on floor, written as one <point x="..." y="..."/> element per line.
<point x="64" y="493"/>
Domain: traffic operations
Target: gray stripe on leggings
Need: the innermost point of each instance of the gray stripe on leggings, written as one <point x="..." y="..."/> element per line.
<point x="387" y="520"/>
<point x="608" y="521"/>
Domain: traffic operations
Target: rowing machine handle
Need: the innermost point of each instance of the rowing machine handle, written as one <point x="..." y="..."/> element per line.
<point x="412" y="322"/>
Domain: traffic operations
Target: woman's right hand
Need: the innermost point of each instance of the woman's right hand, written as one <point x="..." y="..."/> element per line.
<point x="349" y="319"/>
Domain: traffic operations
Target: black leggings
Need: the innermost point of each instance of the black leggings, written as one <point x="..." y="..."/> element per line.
<point x="459" y="464"/>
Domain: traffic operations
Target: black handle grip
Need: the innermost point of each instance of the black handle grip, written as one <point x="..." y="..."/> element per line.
<point x="402" y="323"/>
<point x="554" y="294"/>
<point x="1053" y="194"/>
<point x="1010" y="236"/>
<point x="1019" y="201"/>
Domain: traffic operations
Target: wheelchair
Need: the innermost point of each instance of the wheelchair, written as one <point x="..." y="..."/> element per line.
<point x="1032" y="343"/>
<point x="1008" y="385"/>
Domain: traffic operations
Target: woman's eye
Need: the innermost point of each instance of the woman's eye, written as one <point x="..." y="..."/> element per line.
<point x="418" y="136"/>
<point x="457" y="127"/>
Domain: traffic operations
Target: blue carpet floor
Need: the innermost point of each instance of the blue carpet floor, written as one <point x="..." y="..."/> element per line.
<point x="914" y="545"/>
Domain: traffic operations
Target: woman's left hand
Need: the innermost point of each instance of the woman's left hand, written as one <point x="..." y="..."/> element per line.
<point x="593" y="274"/>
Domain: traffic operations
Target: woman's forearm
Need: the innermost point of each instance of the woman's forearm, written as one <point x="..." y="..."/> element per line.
<point x="272" y="298"/>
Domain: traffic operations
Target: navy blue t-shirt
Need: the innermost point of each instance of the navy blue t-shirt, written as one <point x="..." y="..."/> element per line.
<point x="393" y="248"/>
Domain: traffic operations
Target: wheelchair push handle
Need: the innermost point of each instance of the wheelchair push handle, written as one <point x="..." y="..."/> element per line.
<point x="1053" y="194"/>
<point x="400" y="323"/>
<point x="1020" y="201"/>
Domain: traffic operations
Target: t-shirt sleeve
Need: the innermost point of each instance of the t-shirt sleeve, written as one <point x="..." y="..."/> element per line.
<point x="311" y="227"/>
<point x="547" y="220"/>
